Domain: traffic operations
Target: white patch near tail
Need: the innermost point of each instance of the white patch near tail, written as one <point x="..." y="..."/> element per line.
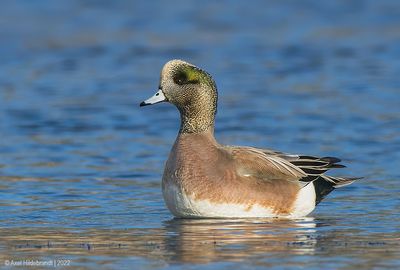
<point x="305" y="201"/>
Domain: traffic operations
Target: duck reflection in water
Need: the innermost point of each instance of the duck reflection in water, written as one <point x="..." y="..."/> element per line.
<point x="207" y="240"/>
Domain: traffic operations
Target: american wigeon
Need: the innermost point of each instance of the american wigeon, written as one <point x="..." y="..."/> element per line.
<point x="203" y="178"/>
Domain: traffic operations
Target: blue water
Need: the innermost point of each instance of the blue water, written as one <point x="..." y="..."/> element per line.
<point x="81" y="163"/>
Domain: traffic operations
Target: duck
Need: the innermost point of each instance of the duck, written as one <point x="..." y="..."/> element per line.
<point x="205" y="179"/>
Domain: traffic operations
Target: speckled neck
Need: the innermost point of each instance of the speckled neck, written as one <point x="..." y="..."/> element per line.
<point x="200" y="115"/>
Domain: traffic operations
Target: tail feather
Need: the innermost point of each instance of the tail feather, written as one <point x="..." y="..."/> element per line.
<point x="324" y="184"/>
<point x="315" y="169"/>
<point x="322" y="188"/>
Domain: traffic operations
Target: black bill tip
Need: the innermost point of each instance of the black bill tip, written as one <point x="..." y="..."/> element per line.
<point x="143" y="104"/>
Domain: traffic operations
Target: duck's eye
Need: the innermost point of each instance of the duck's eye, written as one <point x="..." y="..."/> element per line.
<point x="180" y="78"/>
